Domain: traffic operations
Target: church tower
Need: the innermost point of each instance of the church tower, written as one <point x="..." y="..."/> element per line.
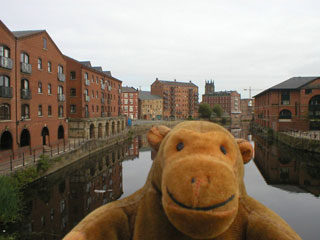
<point x="209" y="88"/>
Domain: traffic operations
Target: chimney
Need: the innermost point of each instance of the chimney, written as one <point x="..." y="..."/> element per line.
<point x="175" y="80"/>
<point x="156" y="79"/>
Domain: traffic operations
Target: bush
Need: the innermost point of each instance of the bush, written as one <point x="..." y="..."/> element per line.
<point x="43" y="163"/>
<point x="217" y="109"/>
<point x="25" y="176"/>
<point x="10" y="200"/>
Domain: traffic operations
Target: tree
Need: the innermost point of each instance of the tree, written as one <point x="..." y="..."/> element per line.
<point x="205" y="110"/>
<point x="217" y="109"/>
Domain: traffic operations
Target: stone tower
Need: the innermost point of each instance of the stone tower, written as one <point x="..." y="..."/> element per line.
<point x="209" y="88"/>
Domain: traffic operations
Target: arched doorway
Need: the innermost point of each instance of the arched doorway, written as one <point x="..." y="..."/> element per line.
<point x="107" y="129"/>
<point x="285" y="114"/>
<point x="92" y="130"/>
<point x="100" y="130"/>
<point x="60" y="132"/>
<point x="25" y="138"/>
<point x="314" y="112"/>
<point x="113" y="128"/>
<point x="45" y="136"/>
<point x="6" y="141"/>
<point x="118" y="127"/>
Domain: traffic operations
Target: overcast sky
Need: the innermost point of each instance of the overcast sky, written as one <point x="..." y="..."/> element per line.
<point x="237" y="43"/>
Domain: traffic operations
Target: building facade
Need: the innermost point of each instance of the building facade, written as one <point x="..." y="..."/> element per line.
<point x="291" y="105"/>
<point x="33" y="87"/>
<point x="129" y="100"/>
<point x="180" y="99"/>
<point x="93" y="101"/>
<point x="150" y="106"/>
<point x="228" y="100"/>
<point x="247" y="109"/>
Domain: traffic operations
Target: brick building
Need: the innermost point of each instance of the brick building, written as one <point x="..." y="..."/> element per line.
<point x="129" y="100"/>
<point x="32" y="94"/>
<point x="93" y="101"/>
<point x="291" y="105"/>
<point x="180" y="99"/>
<point x="228" y="100"/>
<point x="150" y="106"/>
<point x="247" y="109"/>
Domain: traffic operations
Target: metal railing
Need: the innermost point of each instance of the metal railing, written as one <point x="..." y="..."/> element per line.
<point x="5" y="62"/>
<point x="6" y="92"/>
<point x="87" y="98"/>
<point x="87" y="82"/>
<point x="26" y="68"/>
<point x="61" y="97"/>
<point x="25" y="93"/>
<point x="61" y="77"/>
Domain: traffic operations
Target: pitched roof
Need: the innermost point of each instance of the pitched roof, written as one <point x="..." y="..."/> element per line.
<point x="145" y="95"/>
<point x="175" y="83"/>
<point x="128" y="89"/>
<point x="99" y="68"/>
<point x="20" y="34"/>
<point x="291" y="83"/>
<point x="107" y="73"/>
<point x="86" y="63"/>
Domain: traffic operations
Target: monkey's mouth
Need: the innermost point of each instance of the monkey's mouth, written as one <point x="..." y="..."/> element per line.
<point x="199" y="208"/>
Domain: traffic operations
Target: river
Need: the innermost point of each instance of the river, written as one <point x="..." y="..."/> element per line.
<point x="285" y="180"/>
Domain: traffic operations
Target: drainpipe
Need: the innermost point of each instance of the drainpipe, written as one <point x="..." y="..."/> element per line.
<point x="16" y="89"/>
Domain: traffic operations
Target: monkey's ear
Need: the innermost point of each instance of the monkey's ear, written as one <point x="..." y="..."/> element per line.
<point x="246" y="150"/>
<point x="156" y="134"/>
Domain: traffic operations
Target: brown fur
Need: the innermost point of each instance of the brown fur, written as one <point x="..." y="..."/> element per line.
<point x="192" y="192"/>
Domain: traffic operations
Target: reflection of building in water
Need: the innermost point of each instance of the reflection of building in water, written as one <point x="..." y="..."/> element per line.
<point x="240" y="131"/>
<point x="61" y="200"/>
<point x="132" y="150"/>
<point x="286" y="168"/>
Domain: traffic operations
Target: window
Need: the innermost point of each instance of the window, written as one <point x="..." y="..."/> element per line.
<point x="25" y="113"/>
<point x="308" y="91"/>
<point x="39" y="63"/>
<point x="86" y="92"/>
<point x="285" y="97"/>
<point x="44" y="43"/>
<point x="131" y="95"/>
<point x="60" y="90"/>
<point x="97" y="80"/>
<point x="4" y="81"/>
<point x="40" y="110"/>
<point x="5" y="112"/>
<point x="97" y="93"/>
<point x="72" y="108"/>
<point x="85" y="76"/>
<point x="131" y="109"/>
<point x="24" y="84"/>
<point x="60" y="69"/>
<point x="49" y="89"/>
<point x="285" y="114"/>
<point x="72" y="75"/>
<point x="92" y="94"/>
<point x="97" y="108"/>
<point x="73" y="92"/>
<point x="39" y="87"/>
<point x="4" y="51"/>
<point x="60" y="111"/>
<point x="24" y="57"/>
<point x="125" y="95"/>
<point x="49" y="67"/>
<point x="49" y="110"/>
<point x="126" y="101"/>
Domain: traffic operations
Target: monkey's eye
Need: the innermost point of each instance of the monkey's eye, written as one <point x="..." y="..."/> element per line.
<point x="180" y="146"/>
<point x="223" y="150"/>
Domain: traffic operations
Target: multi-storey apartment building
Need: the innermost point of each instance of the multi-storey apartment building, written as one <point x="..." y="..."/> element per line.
<point x="150" y="106"/>
<point x="129" y="100"/>
<point x="290" y="105"/>
<point x="228" y="100"/>
<point x="247" y="109"/>
<point x="93" y="101"/>
<point x="32" y="91"/>
<point x="180" y="99"/>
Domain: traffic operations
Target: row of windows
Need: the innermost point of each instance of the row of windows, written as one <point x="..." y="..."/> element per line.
<point x="86" y="93"/>
<point x="5" y="112"/>
<point x="86" y="78"/>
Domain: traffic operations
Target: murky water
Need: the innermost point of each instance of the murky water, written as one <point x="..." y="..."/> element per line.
<point x="287" y="181"/>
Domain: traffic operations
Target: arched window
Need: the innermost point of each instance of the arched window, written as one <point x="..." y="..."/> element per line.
<point x="25" y="111"/>
<point x="39" y="87"/>
<point x="25" y="138"/>
<point x="39" y="63"/>
<point x="92" y="131"/>
<point x="60" y="132"/>
<point x="4" y="51"/>
<point x="4" y="81"/>
<point x="314" y="107"/>
<point x="5" y="111"/>
<point x="285" y="114"/>
<point x="49" y="110"/>
<point x="24" y="57"/>
<point x="6" y="141"/>
<point x="24" y="84"/>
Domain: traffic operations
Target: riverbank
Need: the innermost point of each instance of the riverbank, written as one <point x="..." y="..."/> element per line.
<point x="309" y="141"/>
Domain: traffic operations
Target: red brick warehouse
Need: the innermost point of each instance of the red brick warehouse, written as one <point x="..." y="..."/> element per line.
<point x="291" y="105"/>
<point x="35" y="114"/>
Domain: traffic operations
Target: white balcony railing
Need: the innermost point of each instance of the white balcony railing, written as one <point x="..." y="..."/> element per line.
<point x="5" y="62"/>
<point x="61" y="77"/>
<point x="26" y="67"/>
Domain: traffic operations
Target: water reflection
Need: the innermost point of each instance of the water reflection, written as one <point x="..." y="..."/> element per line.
<point x="285" y="168"/>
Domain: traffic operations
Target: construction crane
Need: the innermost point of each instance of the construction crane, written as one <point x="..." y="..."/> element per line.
<point x="251" y="89"/>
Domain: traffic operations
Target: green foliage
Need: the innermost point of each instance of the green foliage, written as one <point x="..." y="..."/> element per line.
<point x="205" y="110"/>
<point x="217" y="109"/>
<point x="10" y="200"/>
<point x="43" y="163"/>
<point x="25" y="176"/>
<point x="7" y="237"/>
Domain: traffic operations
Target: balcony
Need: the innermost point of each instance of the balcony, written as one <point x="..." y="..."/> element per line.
<point x="87" y="98"/>
<point x="61" y="77"/>
<point x="25" y="94"/>
<point x="103" y="86"/>
<point x="102" y="100"/>
<point x="5" y="62"/>
<point x="6" y="92"/>
<point x="26" y="68"/>
<point x="87" y="82"/>
<point x="61" y="98"/>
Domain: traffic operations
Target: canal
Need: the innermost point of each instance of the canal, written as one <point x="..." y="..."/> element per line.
<point x="285" y="180"/>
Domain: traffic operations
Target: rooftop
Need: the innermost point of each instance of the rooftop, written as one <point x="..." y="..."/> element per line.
<point x="20" y="34"/>
<point x="129" y="89"/>
<point x="175" y="83"/>
<point x="145" y="95"/>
